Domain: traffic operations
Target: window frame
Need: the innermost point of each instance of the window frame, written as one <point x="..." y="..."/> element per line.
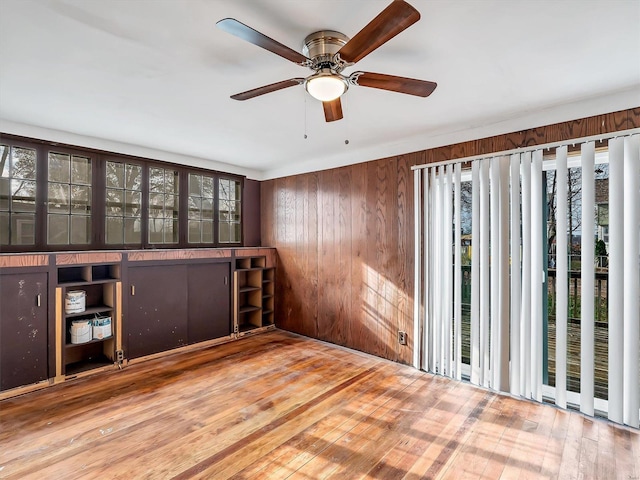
<point x="99" y="161"/>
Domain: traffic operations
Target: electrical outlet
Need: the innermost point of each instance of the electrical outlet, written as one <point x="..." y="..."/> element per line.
<point x="402" y="337"/>
<point x="119" y="356"/>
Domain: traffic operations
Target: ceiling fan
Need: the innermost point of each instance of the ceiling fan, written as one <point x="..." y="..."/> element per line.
<point x="328" y="53"/>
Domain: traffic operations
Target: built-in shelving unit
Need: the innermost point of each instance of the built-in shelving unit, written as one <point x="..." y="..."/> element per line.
<point x="157" y="301"/>
<point x="99" y="283"/>
<point x="268" y="289"/>
<point x="254" y="294"/>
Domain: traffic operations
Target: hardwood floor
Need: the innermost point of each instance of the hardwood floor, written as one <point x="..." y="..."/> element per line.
<point x="278" y="405"/>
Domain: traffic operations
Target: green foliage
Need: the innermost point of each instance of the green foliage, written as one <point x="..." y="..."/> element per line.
<point x="601" y="249"/>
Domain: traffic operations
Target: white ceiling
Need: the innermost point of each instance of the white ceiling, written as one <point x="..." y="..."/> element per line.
<point x="153" y="77"/>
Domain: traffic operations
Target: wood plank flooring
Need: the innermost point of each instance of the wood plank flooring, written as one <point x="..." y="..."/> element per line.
<point x="278" y="406"/>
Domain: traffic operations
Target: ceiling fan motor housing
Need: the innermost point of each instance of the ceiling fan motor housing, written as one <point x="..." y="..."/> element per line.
<point x="321" y="48"/>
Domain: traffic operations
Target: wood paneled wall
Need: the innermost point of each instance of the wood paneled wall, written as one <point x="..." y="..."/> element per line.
<point x="345" y="239"/>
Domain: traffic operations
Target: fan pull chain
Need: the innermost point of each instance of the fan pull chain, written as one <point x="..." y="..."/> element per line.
<point x="305" y="115"/>
<point x="346" y="109"/>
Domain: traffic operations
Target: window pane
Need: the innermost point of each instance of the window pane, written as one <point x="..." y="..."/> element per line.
<point x="59" y="167"/>
<point x="58" y="230"/>
<point x="133" y="204"/>
<point x="156" y="205"/>
<point x="59" y="198"/>
<point x="4" y="161"/>
<point x="234" y="211"/>
<point x="207" y="232"/>
<point x="115" y="175"/>
<point x="171" y="182"/>
<point x="235" y="232"/>
<point x="114" y="202"/>
<point x="195" y="204"/>
<point x="23" y="229"/>
<point x="224" y="189"/>
<point x="195" y="185"/>
<point x="5" y="193"/>
<point x="170" y="206"/>
<point x="133" y="177"/>
<point x="80" y="200"/>
<point x="207" y="187"/>
<point x="156" y="226"/>
<point x="132" y="232"/>
<point x="156" y="180"/>
<point x="23" y="196"/>
<point x="236" y="190"/>
<point x="80" y="230"/>
<point x="223" y="232"/>
<point x="207" y="209"/>
<point x="4" y="229"/>
<point x="224" y="211"/>
<point x="81" y="170"/>
<point x="170" y="231"/>
<point x="24" y="163"/>
<point x="114" y="230"/>
<point x="194" y="231"/>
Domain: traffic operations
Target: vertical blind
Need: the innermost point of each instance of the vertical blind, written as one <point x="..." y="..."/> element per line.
<point x="504" y="328"/>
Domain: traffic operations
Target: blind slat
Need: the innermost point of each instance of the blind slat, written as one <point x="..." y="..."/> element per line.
<point x="483" y="251"/>
<point x="475" y="275"/>
<point x="616" y="275"/>
<point x="587" y="281"/>
<point x="515" y="275"/>
<point x="631" y="311"/>
<point x="457" y="277"/>
<point x="525" y="332"/>
<point x="562" y="277"/>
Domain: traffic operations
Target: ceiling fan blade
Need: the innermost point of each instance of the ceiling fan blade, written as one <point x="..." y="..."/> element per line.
<point x="398" y="16"/>
<point x="332" y="110"/>
<point x="240" y="30"/>
<point x="411" y="86"/>
<point x="256" y="92"/>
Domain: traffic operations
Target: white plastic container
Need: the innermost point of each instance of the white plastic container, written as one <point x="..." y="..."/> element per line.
<point x="75" y="301"/>
<point x="101" y="328"/>
<point x="81" y="331"/>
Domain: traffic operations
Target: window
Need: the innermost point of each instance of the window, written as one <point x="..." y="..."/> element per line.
<point x="229" y="211"/>
<point x="123" y="204"/>
<point x="17" y="195"/>
<point x="69" y="200"/>
<point x="163" y="206"/>
<point x="201" y="202"/>
<point x="57" y="197"/>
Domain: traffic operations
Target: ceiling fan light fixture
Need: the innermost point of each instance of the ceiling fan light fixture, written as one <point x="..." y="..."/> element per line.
<point x="326" y="85"/>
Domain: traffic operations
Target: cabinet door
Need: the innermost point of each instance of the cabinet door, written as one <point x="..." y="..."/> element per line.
<point x="156" y="318"/>
<point x="23" y="329"/>
<point x="209" y="301"/>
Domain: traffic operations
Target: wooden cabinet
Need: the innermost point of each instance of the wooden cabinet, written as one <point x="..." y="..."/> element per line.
<point x="170" y="306"/>
<point x="253" y="293"/>
<point x="23" y="329"/>
<point x="156" y="300"/>
<point x="157" y="311"/>
<point x="209" y="301"/>
<point x="99" y="285"/>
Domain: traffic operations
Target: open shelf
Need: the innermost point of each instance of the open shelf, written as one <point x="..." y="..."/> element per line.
<point x="248" y="308"/>
<point x="98" y="282"/>
<point x="88" y="364"/>
<point x="248" y="289"/>
<point x="76" y="345"/>
<point x="90" y="311"/>
<point x="254" y="293"/>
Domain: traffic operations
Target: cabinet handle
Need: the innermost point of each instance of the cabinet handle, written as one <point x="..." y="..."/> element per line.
<point x="38" y="300"/>
<point x="133" y="290"/>
<point x="226" y="280"/>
